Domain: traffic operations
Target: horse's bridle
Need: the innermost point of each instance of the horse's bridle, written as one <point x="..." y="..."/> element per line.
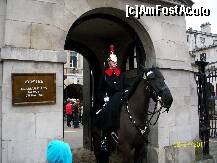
<point x="156" y="111"/>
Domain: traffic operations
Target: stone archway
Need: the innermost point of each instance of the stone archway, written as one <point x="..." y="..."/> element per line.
<point x="91" y="35"/>
<point x="107" y="17"/>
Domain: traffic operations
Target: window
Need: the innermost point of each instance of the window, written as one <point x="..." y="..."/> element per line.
<point x="73" y="60"/>
<point x="131" y="60"/>
<point x="134" y="57"/>
<point x="202" y="40"/>
<point x="187" y="38"/>
<point x="214" y="42"/>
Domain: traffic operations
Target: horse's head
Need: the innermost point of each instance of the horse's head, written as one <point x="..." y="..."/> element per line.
<point x="157" y="87"/>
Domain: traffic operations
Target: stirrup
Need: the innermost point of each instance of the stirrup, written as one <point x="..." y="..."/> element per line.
<point x="115" y="137"/>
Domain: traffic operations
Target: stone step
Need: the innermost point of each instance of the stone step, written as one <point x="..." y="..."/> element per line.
<point x="213" y="148"/>
<point x="206" y="161"/>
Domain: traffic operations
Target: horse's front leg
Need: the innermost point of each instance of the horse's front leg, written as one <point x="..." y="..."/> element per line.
<point x="125" y="153"/>
<point x="140" y="154"/>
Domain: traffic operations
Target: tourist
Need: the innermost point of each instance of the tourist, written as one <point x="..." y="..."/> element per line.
<point x="58" y="152"/>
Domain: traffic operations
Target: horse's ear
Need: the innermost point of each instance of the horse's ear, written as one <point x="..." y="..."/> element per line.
<point x="155" y="67"/>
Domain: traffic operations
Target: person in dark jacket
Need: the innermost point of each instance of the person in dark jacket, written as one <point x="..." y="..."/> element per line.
<point x="113" y="89"/>
<point x="76" y="115"/>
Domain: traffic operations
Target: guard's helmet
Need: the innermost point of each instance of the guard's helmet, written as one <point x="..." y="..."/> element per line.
<point x="112" y="56"/>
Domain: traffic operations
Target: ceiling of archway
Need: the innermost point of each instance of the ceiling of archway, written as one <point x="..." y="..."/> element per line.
<point x="99" y="28"/>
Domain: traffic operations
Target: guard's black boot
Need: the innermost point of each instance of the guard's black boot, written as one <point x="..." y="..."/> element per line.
<point x="104" y="150"/>
<point x="104" y="144"/>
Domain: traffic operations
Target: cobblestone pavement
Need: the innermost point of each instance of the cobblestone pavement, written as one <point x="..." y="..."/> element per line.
<point x="212" y="151"/>
<point x="73" y="136"/>
<point x="213" y="148"/>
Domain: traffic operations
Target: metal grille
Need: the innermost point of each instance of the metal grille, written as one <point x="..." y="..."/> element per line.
<point x="211" y="74"/>
<point x="203" y="101"/>
<point x="206" y="79"/>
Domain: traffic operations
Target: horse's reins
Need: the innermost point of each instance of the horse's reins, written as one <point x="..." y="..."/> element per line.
<point x="149" y="113"/>
<point x="148" y="122"/>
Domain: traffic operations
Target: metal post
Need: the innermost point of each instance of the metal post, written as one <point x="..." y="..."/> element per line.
<point x="204" y="126"/>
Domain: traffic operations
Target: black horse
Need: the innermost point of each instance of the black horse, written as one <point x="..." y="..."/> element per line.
<point x="135" y="117"/>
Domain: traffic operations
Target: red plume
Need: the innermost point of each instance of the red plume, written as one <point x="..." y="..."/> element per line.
<point x="112" y="49"/>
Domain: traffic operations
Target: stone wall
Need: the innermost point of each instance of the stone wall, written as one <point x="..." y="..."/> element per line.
<point x="199" y="40"/>
<point x="37" y="24"/>
<point x="210" y="54"/>
<point x="26" y="130"/>
<point x="2" y="21"/>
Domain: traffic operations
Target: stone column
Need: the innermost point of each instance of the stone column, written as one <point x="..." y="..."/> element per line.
<point x="87" y="105"/>
<point x="26" y="130"/>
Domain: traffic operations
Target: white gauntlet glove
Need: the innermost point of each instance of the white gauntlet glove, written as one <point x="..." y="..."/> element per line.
<point x="106" y="99"/>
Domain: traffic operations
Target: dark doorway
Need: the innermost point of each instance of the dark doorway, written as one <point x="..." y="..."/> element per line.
<point x="73" y="91"/>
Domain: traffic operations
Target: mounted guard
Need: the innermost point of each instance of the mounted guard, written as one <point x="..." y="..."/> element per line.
<point x="112" y="91"/>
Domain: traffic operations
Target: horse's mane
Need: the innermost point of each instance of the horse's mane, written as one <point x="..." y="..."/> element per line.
<point x="135" y="84"/>
<point x="139" y="78"/>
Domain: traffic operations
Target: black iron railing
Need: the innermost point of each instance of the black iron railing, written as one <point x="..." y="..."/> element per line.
<point x="211" y="75"/>
<point x="202" y="90"/>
